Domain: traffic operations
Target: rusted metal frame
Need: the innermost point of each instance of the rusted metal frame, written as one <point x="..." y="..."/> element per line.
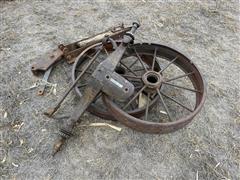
<point x="51" y="111"/>
<point x="134" y="77"/>
<point x="139" y="112"/>
<point x="71" y="51"/>
<point x="41" y="89"/>
<point x="90" y="93"/>
<point x="97" y="110"/>
<point x="68" y="125"/>
<point x="48" y="60"/>
<point x="96" y="84"/>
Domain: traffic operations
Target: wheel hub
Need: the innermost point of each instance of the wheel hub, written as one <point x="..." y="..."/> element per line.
<point x="152" y="79"/>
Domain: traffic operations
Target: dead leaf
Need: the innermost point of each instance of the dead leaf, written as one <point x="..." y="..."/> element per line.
<point x="10" y="142"/>
<point x="4" y="159"/>
<point x="32" y="87"/>
<point x="163" y="112"/>
<point x="5" y="114"/>
<point x="30" y="150"/>
<point x="17" y="127"/>
<point x="142" y="100"/>
<point x="15" y="165"/>
<point x="217" y="165"/>
<point x="54" y="91"/>
<point x="21" y="142"/>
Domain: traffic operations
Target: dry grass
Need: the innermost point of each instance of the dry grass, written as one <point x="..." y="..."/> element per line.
<point x="207" y="32"/>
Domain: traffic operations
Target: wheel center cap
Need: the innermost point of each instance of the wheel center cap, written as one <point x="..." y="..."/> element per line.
<point x="152" y="79"/>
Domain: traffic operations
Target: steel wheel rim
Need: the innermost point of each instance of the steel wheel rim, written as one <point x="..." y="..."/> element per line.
<point x="167" y="127"/>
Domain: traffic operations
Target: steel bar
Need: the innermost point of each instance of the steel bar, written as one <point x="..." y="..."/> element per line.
<point x="168" y="65"/>
<point x="178" y="77"/>
<point x="129" y="76"/>
<point x="46" y="75"/>
<point x="135" y="70"/>
<point x="131" y="65"/>
<point x="82" y="85"/>
<point x="174" y="100"/>
<point x="136" y="95"/>
<point x="147" y="106"/>
<point x="66" y="131"/>
<point x="51" y="111"/>
<point x="140" y="59"/>
<point x="165" y="106"/>
<point x="128" y="68"/>
<point x="154" y="58"/>
<point x="181" y="87"/>
<point x="72" y="50"/>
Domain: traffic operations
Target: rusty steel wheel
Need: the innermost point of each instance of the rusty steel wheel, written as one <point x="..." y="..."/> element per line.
<point x="177" y="84"/>
<point x="125" y="68"/>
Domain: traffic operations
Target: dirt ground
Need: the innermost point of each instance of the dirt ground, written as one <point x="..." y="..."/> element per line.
<point x="208" y="148"/>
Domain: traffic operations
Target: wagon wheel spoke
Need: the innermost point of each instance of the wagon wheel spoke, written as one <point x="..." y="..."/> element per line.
<point x="181" y="87"/>
<point x="172" y="61"/>
<point x="136" y="70"/>
<point x="140" y="59"/>
<point x="129" y="69"/>
<point x="82" y="85"/>
<point x="138" y="87"/>
<point x="134" y="97"/>
<point x="147" y="106"/>
<point x="177" y="102"/>
<point x="154" y="58"/>
<point x="165" y="106"/>
<point x="133" y="80"/>
<point x="178" y="77"/>
<point x="131" y="65"/>
<point x="90" y="70"/>
<point x="133" y="77"/>
<point x="132" y="107"/>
